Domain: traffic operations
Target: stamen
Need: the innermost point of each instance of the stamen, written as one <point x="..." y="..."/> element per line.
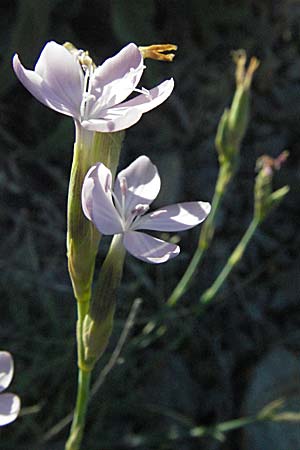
<point x="124" y="189"/>
<point x="140" y="209"/>
<point x="86" y="61"/>
<point x="143" y="91"/>
<point x="87" y="86"/>
<point x="123" y="186"/>
<point x="136" y="216"/>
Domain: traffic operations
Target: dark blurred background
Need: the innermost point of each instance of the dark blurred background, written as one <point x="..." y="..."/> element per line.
<point x="184" y="370"/>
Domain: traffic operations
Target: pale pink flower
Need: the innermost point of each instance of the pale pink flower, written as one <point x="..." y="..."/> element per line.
<point x="93" y="96"/>
<point x="9" y="403"/>
<point x="124" y="209"/>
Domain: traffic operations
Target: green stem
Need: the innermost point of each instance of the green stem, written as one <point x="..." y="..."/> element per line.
<point x="83" y="388"/>
<point x="234" y="258"/>
<point x="77" y="428"/>
<point x="205" y="238"/>
<point x="217" y="430"/>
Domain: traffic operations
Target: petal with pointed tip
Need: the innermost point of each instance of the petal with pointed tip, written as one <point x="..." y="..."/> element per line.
<point x="97" y="202"/>
<point x="177" y="217"/>
<point x="116" y="78"/>
<point x="126" y="114"/>
<point x="57" y="80"/>
<point x="6" y="370"/>
<point x="143" y="183"/>
<point x="10" y="405"/>
<point x="155" y="97"/>
<point x="116" y="120"/>
<point x="148" y="248"/>
<point x="61" y="71"/>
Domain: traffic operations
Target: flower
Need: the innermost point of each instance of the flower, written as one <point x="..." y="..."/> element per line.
<point x="124" y="210"/>
<point x="9" y="403"/>
<point x="68" y="81"/>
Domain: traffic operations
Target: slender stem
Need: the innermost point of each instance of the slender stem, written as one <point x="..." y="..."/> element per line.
<point x="77" y="428"/>
<point x="217" y="430"/>
<point x="83" y="388"/>
<point x="205" y="238"/>
<point x="234" y="258"/>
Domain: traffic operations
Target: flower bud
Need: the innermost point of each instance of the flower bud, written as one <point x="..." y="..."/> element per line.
<point x="234" y="121"/>
<point x="264" y="198"/>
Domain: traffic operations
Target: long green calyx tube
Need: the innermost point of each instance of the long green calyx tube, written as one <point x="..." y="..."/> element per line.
<point x="82" y="236"/>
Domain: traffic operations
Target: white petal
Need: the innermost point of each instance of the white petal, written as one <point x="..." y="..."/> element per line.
<point x="113" y="120"/>
<point x="57" y="80"/>
<point x="148" y="248"/>
<point x="143" y="183"/>
<point x="155" y="97"/>
<point x="126" y="114"/>
<point x="116" y="78"/>
<point x="177" y="217"/>
<point x="6" y="370"/>
<point x="10" y="405"/>
<point x="97" y="202"/>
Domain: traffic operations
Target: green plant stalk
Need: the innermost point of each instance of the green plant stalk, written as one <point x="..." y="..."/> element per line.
<point x="82" y="245"/>
<point x="206" y="235"/>
<point x="234" y="258"/>
<point x="83" y="387"/>
<point x="217" y="431"/>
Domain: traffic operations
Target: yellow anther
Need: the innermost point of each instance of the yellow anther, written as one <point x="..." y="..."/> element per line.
<point x="156" y="51"/>
<point x="85" y="60"/>
<point x="72" y="49"/>
<point x="83" y="56"/>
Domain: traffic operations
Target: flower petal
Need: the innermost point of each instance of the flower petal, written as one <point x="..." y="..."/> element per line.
<point x="97" y="202"/>
<point x="57" y="80"/>
<point x="10" y="405"/>
<point x="116" y="78"/>
<point x="115" y="120"/>
<point x="148" y="248"/>
<point x="177" y="217"/>
<point x="146" y="102"/>
<point x="143" y="184"/>
<point x="6" y="370"/>
<point x="126" y="114"/>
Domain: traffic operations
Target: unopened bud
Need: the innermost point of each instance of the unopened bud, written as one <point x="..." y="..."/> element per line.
<point x="265" y="199"/>
<point x="233" y="124"/>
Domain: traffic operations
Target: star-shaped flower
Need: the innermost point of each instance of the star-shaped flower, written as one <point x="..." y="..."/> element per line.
<point x="9" y="403"/>
<point x="124" y="209"/>
<point x="69" y="82"/>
